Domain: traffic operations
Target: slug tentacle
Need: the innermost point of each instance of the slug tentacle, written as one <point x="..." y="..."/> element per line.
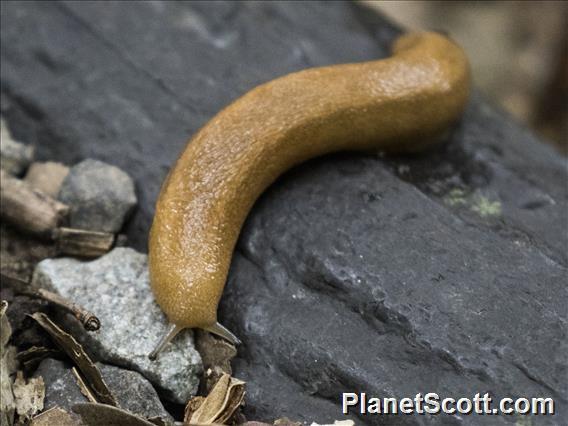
<point x="172" y="332"/>
<point x="221" y="331"/>
<point x="397" y="104"/>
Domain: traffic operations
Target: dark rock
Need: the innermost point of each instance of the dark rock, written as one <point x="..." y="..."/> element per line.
<point x="444" y="272"/>
<point x="61" y="388"/>
<point x="132" y="391"/>
<point x="101" y="196"/>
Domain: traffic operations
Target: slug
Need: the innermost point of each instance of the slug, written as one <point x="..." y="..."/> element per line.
<point x="399" y="104"/>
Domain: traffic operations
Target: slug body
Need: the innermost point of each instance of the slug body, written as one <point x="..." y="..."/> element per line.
<point x="398" y="104"/>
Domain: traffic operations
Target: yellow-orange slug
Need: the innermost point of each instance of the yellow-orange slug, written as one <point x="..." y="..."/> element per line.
<point x="398" y="104"/>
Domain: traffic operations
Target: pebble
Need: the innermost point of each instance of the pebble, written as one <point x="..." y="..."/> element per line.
<point x="15" y="157"/>
<point x="101" y="196"/>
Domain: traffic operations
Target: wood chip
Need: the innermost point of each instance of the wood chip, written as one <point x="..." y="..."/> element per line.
<point x="29" y="209"/>
<point x="75" y="351"/>
<point x="219" y="406"/>
<point x="102" y="414"/>
<point x="82" y="243"/>
<point x="28" y="396"/>
<point x="47" y="177"/>
<point x="54" y="416"/>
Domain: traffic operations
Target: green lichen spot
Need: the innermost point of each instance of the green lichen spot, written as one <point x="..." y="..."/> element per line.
<point x="476" y="202"/>
<point x="485" y="207"/>
<point x="456" y="197"/>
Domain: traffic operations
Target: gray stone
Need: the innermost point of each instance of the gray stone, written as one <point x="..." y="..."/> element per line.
<point x="441" y="272"/>
<point x="15" y="157"/>
<point x="116" y="288"/>
<point x="61" y="388"/>
<point x="132" y="391"/>
<point x="101" y="196"/>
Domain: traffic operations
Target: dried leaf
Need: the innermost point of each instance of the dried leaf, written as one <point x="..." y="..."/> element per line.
<point x="191" y="407"/>
<point x="7" y="403"/>
<point x="5" y="328"/>
<point x="214" y="352"/>
<point x="75" y="351"/>
<point x="28" y="395"/>
<point x="216" y="355"/>
<point x="82" y="386"/>
<point x="107" y="415"/>
<point x="54" y="416"/>
<point x="220" y="405"/>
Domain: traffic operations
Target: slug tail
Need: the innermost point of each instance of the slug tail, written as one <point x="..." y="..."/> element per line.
<point x="221" y="331"/>
<point x="172" y="332"/>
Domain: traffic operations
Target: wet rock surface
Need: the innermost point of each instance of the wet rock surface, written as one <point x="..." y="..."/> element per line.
<point x="116" y="289"/>
<point x="101" y="196"/>
<point x="132" y="391"/>
<point x="443" y="272"/>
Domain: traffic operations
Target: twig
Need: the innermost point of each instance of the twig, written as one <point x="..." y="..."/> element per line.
<point x="88" y="319"/>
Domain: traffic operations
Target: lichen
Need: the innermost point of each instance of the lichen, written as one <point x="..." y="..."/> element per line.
<point x="485" y="207"/>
